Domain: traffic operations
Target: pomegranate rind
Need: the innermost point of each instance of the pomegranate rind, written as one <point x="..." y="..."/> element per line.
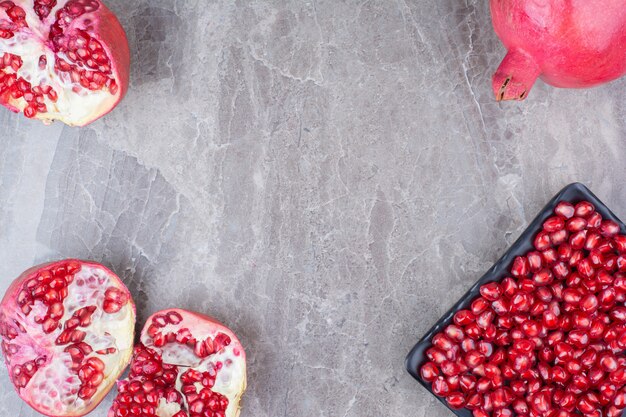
<point x="10" y="310"/>
<point x="568" y="44"/>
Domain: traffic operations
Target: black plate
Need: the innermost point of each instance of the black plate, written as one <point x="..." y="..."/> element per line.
<point x="573" y="193"/>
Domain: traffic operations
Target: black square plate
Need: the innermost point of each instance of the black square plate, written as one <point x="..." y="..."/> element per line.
<point x="573" y="193"/>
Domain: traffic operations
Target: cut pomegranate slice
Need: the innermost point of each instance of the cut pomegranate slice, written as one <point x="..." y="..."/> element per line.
<point x="187" y="365"/>
<point x="67" y="334"/>
<point x="64" y="60"/>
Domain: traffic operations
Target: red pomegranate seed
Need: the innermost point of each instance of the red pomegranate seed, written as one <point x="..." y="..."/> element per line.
<point x="521" y="267"/>
<point x="553" y="224"/>
<point x="542" y="241"/>
<point x="464" y="317"/>
<point x="543" y="277"/>
<point x="550" y="256"/>
<point x="491" y="291"/>
<point x="456" y="400"/>
<point x="576" y="224"/>
<point x="584" y="209"/>
<point x="442" y="342"/>
<point x="509" y="286"/>
<point x="479" y="305"/>
<point x="454" y="333"/>
<point x="558" y="237"/>
<point x="620" y="243"/>
<point x="564" y="209"/>
<point x="608" y="228"/>
<point x="440" y="387"/>
<point x="429" y="372"/>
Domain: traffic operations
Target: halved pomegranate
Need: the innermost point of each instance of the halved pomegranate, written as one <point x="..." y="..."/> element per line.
<point x="67" y="334"/>
<point x="64" y="60"/>
<point x="187" y="365"/>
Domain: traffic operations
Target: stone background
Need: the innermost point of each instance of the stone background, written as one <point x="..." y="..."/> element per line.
<point x="326" y="177"/>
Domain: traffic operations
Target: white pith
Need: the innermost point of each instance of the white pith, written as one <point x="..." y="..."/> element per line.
<point x="231" y="378"/>
<point x="50" y="389"/>
<point x="72" y="107"/>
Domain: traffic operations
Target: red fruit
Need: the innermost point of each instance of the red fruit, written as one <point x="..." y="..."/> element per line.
<point x="589" y="303"/>
<point x="576" y="224"/>
<point x="429" y="372"/>
<point x="491" y="291"/>
<point x="467" y="383"/>
<point x="454" y="333"/>
<point x="542" y="241"/>
<point x="520" y="267"/>
<point x="608" y="228"/>
<point x="613" y="411"/>
<point x="543" y="277"/>
<point x="550" y="256"/>
<point x="578" y="239"/>
<point x="436" y="355"/>
<point x="558" y="237"/>
<point x="564" y="209"/>
<point x="67" y="335"/>
<point x="480" y="413"/>
<point x="456" y="400"/>
<point x="441" y="341"/>
<point x="620" y="243"/>
<point x="578" y="338"/>
<point x="541" y="402"/>
<point x="584" y="209"/>
<point x="618" y="314"/>
<point x="64" y="60"/>
<point x="464" y="317"/>
<point x="479" y="305"/>
<point x="509" y="286"/>
<point x="593" y="239"/>
<point x="191" y="365"/>
<point x="553" y="224"/>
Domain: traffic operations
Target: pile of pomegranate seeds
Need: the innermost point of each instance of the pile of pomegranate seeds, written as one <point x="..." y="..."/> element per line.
<point x="549" y="340"/>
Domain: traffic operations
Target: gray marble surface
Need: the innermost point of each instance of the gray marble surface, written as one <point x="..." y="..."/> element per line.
<point x="325" y="177"/>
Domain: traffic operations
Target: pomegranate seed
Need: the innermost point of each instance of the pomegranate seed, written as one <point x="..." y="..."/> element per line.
<point x="479" y="305"/>
<point x="464" y="317"/>
<point x="620" y="243"/>
<point x="558" y="237"/>
<point x="520" y="267"/>
<point x="429" y="372"/>
<point x="456" y="400"/>
<point x="491" y="291"/>
<point x="553" y="224"/>
<point x="542" y="241"/>
<point x="584" y="209"/>
<point x="564" y="209"/>
<point x="543" y="277"/>
<point x="609" y="228"/>
<point x="440" y="387"/>
<point x="576" y="224"/>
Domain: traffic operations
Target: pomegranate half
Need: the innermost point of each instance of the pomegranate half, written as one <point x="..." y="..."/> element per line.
<point x="187" y="365"/>
<point x="64" y="60"/>
<point x="67" y="334"/>
<point x="568" y="43"/>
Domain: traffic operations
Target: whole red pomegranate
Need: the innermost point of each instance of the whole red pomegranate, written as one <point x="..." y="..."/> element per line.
<point x="64" y="60"/>
<point x="568" y="43"/>
<point x="187" y="365"/>
<point x="67" y="334"/>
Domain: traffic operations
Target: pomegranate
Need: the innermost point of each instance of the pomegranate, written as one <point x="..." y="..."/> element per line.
<point x="549" y="338"/>
<point x="64" y="60"/>
<point x="189" y="365"/>
<point x="67" y="334"/>
<point x="568" y="43"/>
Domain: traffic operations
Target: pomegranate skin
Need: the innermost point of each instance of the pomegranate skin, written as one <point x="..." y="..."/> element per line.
<point x="567" y="43"/>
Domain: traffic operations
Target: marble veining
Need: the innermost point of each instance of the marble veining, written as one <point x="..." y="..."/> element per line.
<point x="326" y="177"/>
